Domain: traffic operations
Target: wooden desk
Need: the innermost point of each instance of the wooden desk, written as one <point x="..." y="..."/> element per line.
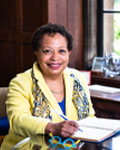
<point x="99" y="78"/>
<point x="106" y="106"/>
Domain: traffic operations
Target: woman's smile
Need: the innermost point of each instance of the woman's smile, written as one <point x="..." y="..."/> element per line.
<point x="54" y="65"/>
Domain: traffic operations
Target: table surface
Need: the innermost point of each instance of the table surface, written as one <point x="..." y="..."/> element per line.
<point x="38" y="143"/>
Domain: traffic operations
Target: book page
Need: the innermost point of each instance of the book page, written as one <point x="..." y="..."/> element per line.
<point x="94" y="135"/>
<point x="102" y="123"/>
<point x="97" y="129"/>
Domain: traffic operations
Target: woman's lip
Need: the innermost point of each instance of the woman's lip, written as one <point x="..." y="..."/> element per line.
<point x="54" y="66"/>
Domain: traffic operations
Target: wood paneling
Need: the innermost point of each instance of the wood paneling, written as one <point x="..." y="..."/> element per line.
<point x="75" y="25"/>
<point x="58" y="11"/>
<point x="7" y="62"/>
<point x="20" y="18"/>
<point x="28" y="56"/>
<point x="18" y="21"/>
<point x="34" y="14"/>
<point x="69" y="13"/>
<point x="7" y="15"/>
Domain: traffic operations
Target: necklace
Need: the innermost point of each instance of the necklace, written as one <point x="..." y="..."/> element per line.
<point x="57" y="92"/>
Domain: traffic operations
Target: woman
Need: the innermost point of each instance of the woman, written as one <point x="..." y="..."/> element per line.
<point x="50" y="84"/>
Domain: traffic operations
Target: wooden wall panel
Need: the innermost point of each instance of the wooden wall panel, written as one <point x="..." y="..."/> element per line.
<point x="7" y="62"/>
<point x="34" y="14"/>
<point x="19" y="19"/>
<point x="28" y="56"/>
<point x="75" y="25"/>
<point x="69" y="13"/>
<point x="7" y="15"/>
<point x="57" y="11"/>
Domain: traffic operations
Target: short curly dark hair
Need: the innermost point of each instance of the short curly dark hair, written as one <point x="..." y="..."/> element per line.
<point x="51" y="29"/>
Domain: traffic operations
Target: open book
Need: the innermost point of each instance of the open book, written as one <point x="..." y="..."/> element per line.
<point x="100" y="89"/>
<point x="97" y="129"/>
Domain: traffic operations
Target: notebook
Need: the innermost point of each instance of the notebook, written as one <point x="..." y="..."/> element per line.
<point x="97" y="129"/>
<point x="100" y="89"/>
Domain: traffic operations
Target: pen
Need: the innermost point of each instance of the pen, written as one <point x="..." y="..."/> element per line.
<point x="64" y="117"/>
<point x="27" y="139"/>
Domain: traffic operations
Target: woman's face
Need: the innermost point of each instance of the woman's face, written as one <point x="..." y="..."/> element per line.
<point x="53" y="55"/>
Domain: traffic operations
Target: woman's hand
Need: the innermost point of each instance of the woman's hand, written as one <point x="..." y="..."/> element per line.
<point x="64" y="129"/>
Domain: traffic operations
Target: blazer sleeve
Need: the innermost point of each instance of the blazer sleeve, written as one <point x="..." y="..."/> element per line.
<point x="19" y="106"/>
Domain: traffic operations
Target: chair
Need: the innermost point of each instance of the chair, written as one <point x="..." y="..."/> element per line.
<point x="4" y="123"/>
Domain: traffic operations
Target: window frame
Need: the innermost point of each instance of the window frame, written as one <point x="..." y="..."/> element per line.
<point x="100" y="26"/>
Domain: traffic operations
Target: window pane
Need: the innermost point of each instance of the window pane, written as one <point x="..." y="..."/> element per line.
<point x="112" y="5"/>
<point x="112" y="33"/>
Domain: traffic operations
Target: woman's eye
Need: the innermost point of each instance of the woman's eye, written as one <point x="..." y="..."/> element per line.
<point x="46" y="51"/>
<point x="62" y="51"/>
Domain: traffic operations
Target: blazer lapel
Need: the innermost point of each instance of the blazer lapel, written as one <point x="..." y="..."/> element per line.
<point x="69" y="89"/>
<point x="45" y="89"/>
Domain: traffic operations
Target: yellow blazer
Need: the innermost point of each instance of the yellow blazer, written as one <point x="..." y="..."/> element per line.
<point x="20" y="102"/>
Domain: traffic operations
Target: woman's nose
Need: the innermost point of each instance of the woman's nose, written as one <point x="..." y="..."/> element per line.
<point x="54" y="56"/>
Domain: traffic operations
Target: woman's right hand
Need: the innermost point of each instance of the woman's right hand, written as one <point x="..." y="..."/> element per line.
<point x="64" y="128"/>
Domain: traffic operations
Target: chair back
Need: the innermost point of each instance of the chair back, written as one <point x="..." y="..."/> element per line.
<point x="3" y="97"/>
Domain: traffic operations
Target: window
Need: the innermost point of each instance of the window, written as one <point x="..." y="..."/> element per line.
<point x="108" y="27"/>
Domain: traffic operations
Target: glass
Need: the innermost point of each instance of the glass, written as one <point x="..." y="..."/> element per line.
<point x="111" y="33"/>
<point x="112" y="5"/>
